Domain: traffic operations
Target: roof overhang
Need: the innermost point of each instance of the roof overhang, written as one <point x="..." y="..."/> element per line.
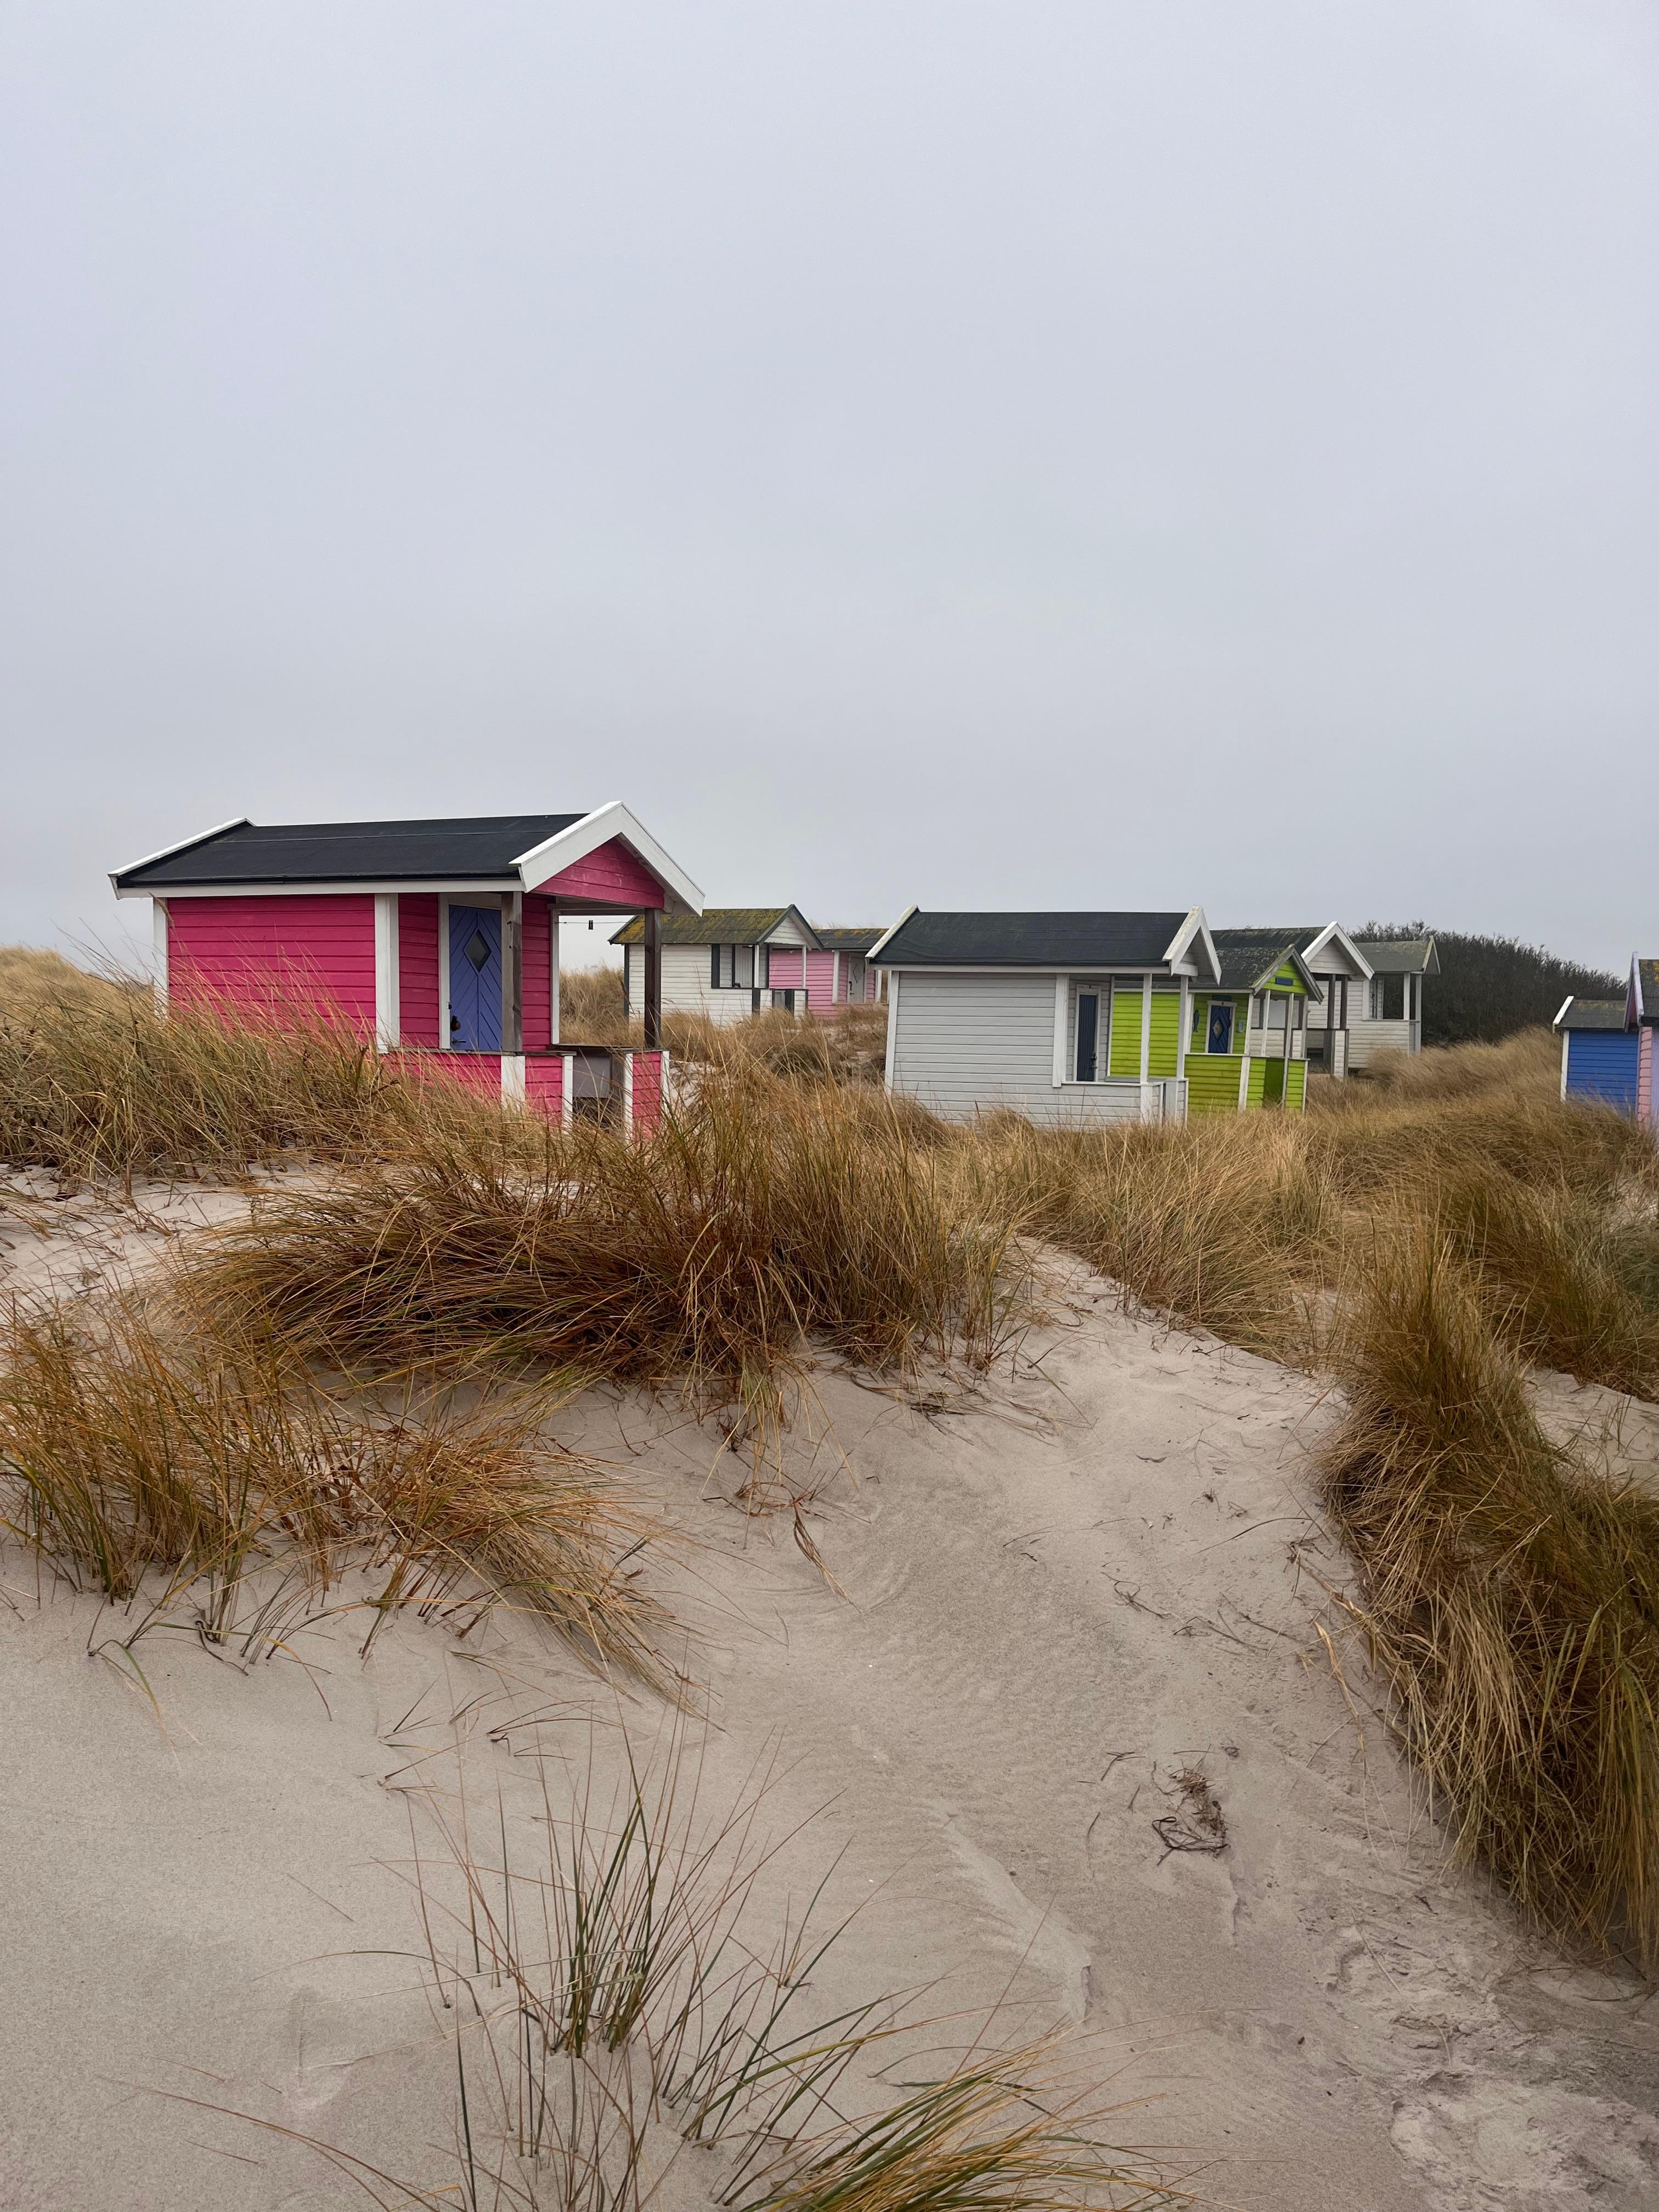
<point x="1192" y="942"/>
<point x="555" y="854"/>
<point x="1333" y="933"/>
<point x="166" y="852"/>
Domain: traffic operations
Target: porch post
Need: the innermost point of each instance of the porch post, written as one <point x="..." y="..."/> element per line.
<point x="653" y="979"/>
<point x="553" y="976"/>
<point x="1330" y="1026"/>
<point x="512" y="971"/>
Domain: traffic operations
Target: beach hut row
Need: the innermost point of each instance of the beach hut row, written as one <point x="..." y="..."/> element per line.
<point x="1608" y="1045"/>
<point x="441" y="937"/>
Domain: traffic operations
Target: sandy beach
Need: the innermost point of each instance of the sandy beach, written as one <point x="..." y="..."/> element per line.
<point x="1052" y="1605"/>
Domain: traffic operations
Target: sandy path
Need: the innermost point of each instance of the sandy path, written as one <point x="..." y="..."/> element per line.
<point x="1056" y="1600"/>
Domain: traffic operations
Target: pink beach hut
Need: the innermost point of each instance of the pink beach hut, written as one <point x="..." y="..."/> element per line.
<point x="830" y="974"/>
<point x="436" y="937"/>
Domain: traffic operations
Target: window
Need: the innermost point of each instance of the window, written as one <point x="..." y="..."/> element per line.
<point x="1087" y="1035"/>
<point x="730" y="967"/>
<point x="1276" y="1010"/>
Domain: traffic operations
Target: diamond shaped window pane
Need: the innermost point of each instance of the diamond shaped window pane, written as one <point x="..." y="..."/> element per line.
<point x="477" y="949"/>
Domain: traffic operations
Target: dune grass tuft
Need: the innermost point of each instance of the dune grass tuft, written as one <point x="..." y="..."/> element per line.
<point x="1512" y="1600"/>
<point x="765" y="1216"/>
<point x="218" y="1474"/>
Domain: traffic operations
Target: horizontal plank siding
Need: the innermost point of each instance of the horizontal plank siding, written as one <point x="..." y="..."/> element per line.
<point x="257" y="955"/>
<point x="611" y="876"/>
<point x="1367" y="1038"/>
<point x="647" y="1092"/>
<point x="1644" y="1075"/>
<point x="417" y="969"/>
<point x="537" y="955"/>
<point x="686" y="988"/>
<point x="968" y="1044"/>
<point x="1213" y="1082"/>
<point x="1125" y="1030"/>
<point x="1296" y="1086"/>
<point x="544" y="1085"/>
<point x="1602" y="1064"/>
<point x="820" y="982"/>
<point x="1166" y="1032"/>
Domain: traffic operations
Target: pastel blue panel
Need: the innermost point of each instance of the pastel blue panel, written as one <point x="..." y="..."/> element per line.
<point x="1601" y="1065"/>
<point x="475" y="978"/>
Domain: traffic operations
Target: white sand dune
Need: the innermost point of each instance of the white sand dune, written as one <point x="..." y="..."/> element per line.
<point x="1104" y="1572"/>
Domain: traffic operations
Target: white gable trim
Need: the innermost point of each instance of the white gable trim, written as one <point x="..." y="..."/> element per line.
<point x="1194" y="932"/>
<point x="874" y="952"/>
<point x="166" y="852"/>
<point x="554" y="855"/>
<point x="809" y="938"/>
<point x="1333" y="933"/>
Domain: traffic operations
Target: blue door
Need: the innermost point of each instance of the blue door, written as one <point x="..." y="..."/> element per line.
<point x="475" y="978"/>
<point x="1220" y="1037"/>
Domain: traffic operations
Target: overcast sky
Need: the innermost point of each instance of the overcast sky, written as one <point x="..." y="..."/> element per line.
<point x="1030" y="454"/>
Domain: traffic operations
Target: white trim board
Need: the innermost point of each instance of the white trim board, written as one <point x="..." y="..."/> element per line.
<point x="388" y="1026"/>
<point x="158" y="936"/>
<point x="184" y="845"/>
<point x="494" y="885"/>
<point x="554" y="855"/>
<point x="1194" y="929"/>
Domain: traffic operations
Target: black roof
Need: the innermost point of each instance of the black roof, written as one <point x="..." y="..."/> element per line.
<point x="1031" y="940"/>
<point x="465" y="847"/>
<point x="1591" y="1014"/>
<point x="1250" y="956"/>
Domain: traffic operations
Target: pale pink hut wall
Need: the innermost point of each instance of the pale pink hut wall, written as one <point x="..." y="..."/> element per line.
<point x="417" y="970"/>
<point x="821" y="983"/>
<point x="1644" y="1075"/>
<point x="251" y="953"/>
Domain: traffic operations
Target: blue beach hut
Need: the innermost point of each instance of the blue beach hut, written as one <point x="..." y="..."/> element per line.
<point x="1599" y="1054"/>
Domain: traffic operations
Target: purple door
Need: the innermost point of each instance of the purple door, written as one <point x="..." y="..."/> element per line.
<point x="475" y="979"/>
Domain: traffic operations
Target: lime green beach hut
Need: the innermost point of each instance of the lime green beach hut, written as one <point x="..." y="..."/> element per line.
<point x="1248" y="1045"/>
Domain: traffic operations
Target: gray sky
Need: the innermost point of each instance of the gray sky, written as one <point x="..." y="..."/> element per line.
<point x="1034" y="454"/>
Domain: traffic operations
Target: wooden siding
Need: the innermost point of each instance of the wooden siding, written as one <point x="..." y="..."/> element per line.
<point x="1166" y="1032"/>
<point x="820" y="982"/>
<point x="1213" y="1082"/>
<point x="1604" y="1066"/>
<point x="417" y="969"/>
<point x="611" y="876"/>
<point x="1125" y="1030"/>
<point x="686" y="988"/>
<point x="537" y="959"/>
<point x="1644" y="1075"/>
<point x="1296" y="1086"/>
<point x="1366" y="1038"/>
<point x="543" y="1083"/>
<point x="786" y="970"/>
<point x="648" y="1091"/>
<point x="963" y="1044"/>
<point x="254" y="955"/>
